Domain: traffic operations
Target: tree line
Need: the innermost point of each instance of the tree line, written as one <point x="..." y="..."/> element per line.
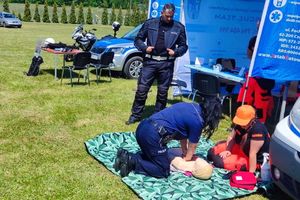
<point x="94" y="3"/>
<point x="131" y="17"/>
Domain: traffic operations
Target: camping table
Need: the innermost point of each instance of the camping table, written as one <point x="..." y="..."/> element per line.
<point x="60" y="52"/>
<point x="227" y="76"/>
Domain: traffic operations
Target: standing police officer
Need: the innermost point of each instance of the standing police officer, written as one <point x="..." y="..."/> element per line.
<point x="166" y="40"/>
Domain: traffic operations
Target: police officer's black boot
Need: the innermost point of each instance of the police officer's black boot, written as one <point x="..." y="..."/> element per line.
<point x="132" y="120"/>
<point x="127" y="166"/>
<point x="121" y="157"/>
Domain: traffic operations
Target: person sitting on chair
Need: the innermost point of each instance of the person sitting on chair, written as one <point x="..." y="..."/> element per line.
<point x="244" y="148"/>
<point x="258" y="91"/>
<point x="183" y="121"/>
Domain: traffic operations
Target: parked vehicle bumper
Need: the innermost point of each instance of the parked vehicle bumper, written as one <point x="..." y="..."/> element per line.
<point x="285" y="160"/>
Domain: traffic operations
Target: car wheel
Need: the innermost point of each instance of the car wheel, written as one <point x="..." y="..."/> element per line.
<point x="132" y="67"/>
<point x="19" y="26"/>
<point x="4" y="25"/>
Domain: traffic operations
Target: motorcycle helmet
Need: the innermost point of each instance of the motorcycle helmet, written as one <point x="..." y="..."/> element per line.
<point x="48" y="41"/>
<point x="116" y="26"/>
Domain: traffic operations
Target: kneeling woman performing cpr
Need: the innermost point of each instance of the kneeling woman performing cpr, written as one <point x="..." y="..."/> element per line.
<point x="185" y="122"/>
<point x="244" y="148"/>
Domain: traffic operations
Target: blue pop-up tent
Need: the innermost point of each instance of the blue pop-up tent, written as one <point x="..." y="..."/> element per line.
<point x="215" y="29"/>
<point x="223" y="28"/>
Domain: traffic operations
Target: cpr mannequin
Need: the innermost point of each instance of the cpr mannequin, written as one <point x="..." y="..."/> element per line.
<point x="199" y="168"/>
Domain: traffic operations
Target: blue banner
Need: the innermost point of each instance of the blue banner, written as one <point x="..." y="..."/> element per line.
<point x="221" y="29"/>
<point x="156" y="6"/>
<point x="277" y="52"/>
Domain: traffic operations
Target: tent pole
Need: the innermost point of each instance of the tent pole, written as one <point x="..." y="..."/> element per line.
<point x="245" y="91"/>
<point x="285" y="94"/>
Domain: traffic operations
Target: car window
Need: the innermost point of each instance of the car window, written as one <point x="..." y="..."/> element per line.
<point x="132" y="34"/>
<point x="9" y="16"/>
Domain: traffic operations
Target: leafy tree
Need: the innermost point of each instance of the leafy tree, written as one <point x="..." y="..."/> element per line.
<point x="80" y="15"/>
<point x="54" y="13"/>
<point x="72" y="19"/>
<point x="113" y="16"/>
<point x="37" y="16"/>
<point x="5" y="6"/>
<point x="27" y="13"/>
<point x="64" y="18"/>
<point x="127" y="18"/>
<point x="120" y="16"/>
<point x="89" y="18"/>
<point x="104" y="17"/>
<point x="46" y="17"/>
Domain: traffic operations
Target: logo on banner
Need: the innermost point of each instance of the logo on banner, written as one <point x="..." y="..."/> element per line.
<point x="276" y="16"/>
<point x="154" y="13"/>
<point x="155" y="5"/>
<point x="279" y="3"/>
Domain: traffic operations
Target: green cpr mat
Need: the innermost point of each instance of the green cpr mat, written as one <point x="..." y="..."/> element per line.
<point x="177" y="186"/>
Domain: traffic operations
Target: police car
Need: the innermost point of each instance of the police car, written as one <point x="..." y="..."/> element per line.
<point x="127" y="58"/>
<point x="285" y="153"/>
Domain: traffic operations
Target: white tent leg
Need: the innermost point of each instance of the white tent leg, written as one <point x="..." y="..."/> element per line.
<point x="285" y="94"/>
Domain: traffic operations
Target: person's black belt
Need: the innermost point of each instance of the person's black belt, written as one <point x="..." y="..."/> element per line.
<point x="165" y="137"/>
<point x="159" y="58"/>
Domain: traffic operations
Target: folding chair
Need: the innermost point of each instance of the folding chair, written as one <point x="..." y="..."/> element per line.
<point x="105" y="61"/>
<point x="178" y="83"/>
<point x="81" y="62"/>
<point x="206" y="85"/>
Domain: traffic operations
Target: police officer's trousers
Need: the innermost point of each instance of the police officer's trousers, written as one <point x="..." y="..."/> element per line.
<point x="153" y="159"/>
<point x="162" y="71"/>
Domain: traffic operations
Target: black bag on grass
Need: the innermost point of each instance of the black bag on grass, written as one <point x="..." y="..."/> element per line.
<point x="34" y="68"/>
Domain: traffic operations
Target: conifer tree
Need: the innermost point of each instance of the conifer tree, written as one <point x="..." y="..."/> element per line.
<point x="127" y="18"/>
<point x="104" y="4"/>
<point x="104" y="17"/>
<point x="20" y="16"/>
<point x="144" y="16"/>
<point x="27" y="13"/>
<point x="64" y="18"/>
<point x="5" y="6"/>
<point x="113" y="16"/>
<point x="120" y="16"/>
<point x="80" y="15"/>
<point x="46" y="17"/>
<point x="72" y="19"/>
<point x="54" y="13"/>
<point x="135" y="17"/>
<point x="89" y="18"/>
<point x="37" y="16"/>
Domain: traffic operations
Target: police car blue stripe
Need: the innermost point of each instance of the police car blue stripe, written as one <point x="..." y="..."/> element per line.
<point x="293" y="128"/>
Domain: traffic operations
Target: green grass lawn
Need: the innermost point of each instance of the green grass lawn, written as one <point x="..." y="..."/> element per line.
<point x="43" y="125"/>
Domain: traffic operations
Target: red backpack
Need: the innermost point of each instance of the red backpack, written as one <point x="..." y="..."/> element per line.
<point x="244" y="180"/>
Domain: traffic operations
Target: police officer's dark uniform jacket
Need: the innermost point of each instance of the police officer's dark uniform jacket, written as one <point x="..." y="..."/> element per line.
<point x="157" y="65"/>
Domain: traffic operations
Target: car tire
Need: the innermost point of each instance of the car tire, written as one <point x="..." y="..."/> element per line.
<point x="133" y="67"/>
<point x="4" y="25"/>
<point x="19" y="26"/>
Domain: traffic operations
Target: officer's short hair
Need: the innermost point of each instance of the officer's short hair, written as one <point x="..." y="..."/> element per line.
<point x="169" y="6"/>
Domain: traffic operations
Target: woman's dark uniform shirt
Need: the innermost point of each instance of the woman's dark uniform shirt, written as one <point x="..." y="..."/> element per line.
<point x="182" y="119"/>
<point x="257" y="131"/>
